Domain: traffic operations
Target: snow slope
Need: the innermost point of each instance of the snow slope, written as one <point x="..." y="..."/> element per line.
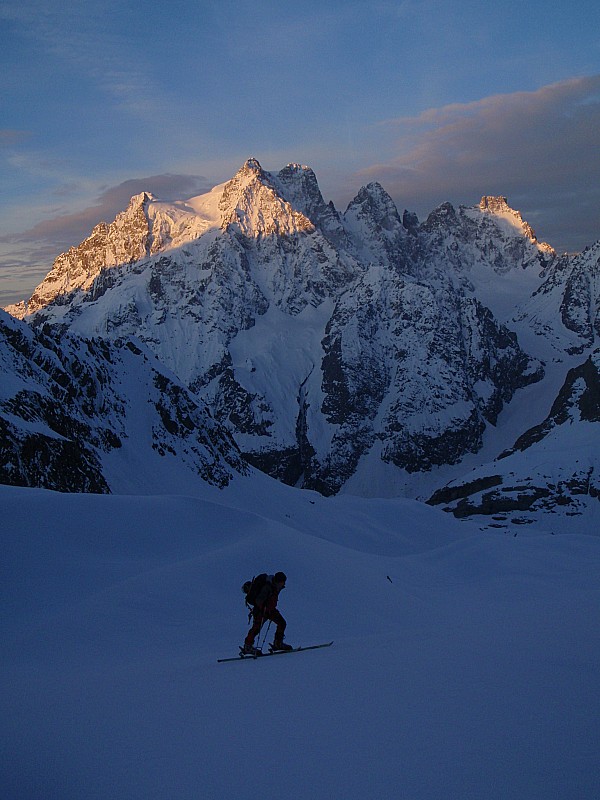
<point x="465" y="663"/>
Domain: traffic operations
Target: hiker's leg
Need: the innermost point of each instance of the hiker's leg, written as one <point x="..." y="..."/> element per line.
<point x="255" y="629"/>
<point x="281" y="623"/>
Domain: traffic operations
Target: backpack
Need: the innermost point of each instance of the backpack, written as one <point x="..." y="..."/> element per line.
<point x="252" y="588"/>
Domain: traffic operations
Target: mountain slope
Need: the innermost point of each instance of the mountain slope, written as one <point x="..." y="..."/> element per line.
<point x="83" y="415"/>
<point x="553" y="467"/>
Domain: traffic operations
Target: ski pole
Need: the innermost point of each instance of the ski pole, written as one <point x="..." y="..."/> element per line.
<point x="261" y="644"/>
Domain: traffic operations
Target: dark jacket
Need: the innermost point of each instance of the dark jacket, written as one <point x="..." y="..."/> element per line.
<point x="266" y="600"/>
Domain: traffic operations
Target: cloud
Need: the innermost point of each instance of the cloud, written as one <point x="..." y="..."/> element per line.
<point x="97" y="40"/>
<point x="21" y="269"/>
<point x="10" y="137"/>
<point x="540" y="149"/>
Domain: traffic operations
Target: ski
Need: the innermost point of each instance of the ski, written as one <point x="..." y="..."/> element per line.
<point x="251" y="657"/>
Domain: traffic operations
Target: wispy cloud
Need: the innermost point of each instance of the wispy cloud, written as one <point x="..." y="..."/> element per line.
<point x="9" y="138"/>
<point x="85" y="37"/>
<point x="539" y="148"/>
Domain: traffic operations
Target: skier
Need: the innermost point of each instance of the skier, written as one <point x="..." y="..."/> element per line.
<point x="265" y="607"/>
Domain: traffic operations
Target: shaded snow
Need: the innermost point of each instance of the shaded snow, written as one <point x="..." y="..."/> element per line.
<point x="465" y="664"/>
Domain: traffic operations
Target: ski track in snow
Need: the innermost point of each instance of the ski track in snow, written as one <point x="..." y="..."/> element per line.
<point x="465" y="664"/>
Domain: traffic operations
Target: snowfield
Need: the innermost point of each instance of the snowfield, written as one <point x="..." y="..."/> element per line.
<point x="465" y="661"/>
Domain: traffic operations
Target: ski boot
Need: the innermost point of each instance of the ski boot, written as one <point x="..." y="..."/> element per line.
<point x="279" y="646"/>
<point x="249" y="650"/>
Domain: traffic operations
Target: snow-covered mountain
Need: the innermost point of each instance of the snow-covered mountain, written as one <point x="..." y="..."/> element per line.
<point x="362" y="351"/>
<point x="91" y="415"/>
<point x="551" y="467"/>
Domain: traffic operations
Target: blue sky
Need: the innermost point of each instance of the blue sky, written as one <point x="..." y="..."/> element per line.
<point x="438" y="101"/>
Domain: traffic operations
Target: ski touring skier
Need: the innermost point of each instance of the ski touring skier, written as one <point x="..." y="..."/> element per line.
<point x="262" y="594"/>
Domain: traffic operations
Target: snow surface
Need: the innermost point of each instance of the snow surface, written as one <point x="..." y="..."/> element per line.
<point x="465" y="662"/>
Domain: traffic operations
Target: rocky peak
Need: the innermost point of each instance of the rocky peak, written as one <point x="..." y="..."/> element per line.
<point x="252" y="204"/>
<point x="249" y="174"/>
<point x="376" y="228"/>
<point x="373" y="209"/>
<point x="298" y="185"/>
<point x="123" y="241"/>
<point x="374" y="201"/>
<point x="252" y="165"/>
<point x="300" y="188"/>
<point x="499" y="207"/>
<point x="496" y="205"/>
<point x="441" y="217"/>
<point x="134" y="220"/>
<point x="410" y="221"/>
<point x="503" y="241"/>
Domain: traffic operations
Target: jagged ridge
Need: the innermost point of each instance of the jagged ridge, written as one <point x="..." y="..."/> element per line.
<point x="322" y="341"/>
